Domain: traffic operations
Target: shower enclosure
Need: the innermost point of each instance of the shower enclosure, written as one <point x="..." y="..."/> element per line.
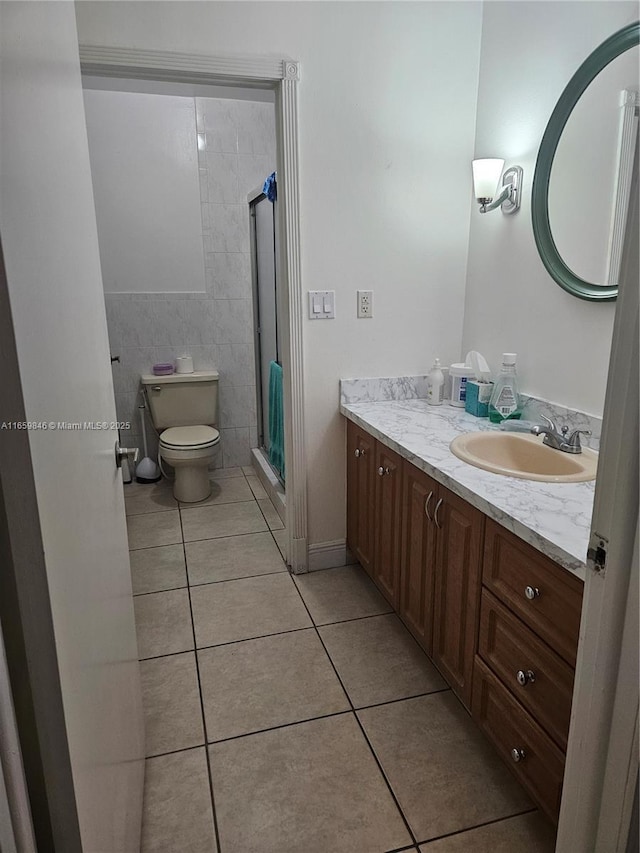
<point x="263" y="221"/>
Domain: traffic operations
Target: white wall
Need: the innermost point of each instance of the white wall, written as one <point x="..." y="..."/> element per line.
<point x="530" y="50"/>
<point x="144" y="166"/>
<point x="387" y="117"/>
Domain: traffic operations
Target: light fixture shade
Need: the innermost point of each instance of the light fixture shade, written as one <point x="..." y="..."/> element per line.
<point x="486" y="175"/>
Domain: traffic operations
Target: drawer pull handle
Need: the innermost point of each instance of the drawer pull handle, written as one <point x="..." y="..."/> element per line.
<point x="525" y="677"/>
<point x="531" y="592"/>
<point x="358" y="453"/>
<point x="435" y="513"/>
<point x="517" y="754"/>
<point x="426" y="505"/>
<point x="382" y="471"/>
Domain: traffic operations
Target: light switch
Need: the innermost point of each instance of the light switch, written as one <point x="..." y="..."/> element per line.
<point x="322" y="304"/>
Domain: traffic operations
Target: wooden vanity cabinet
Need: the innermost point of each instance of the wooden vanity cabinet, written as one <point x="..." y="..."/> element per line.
<point x="460" y="530"/>
<point x="360" y="495"/>
<point x="499" y="619"/>
<point x="440" y="575"/>
<point x="417" y="574"/>
<point x="387" y="522"/>
<point x="524" y="669"/>
<point x="374" y="508"/>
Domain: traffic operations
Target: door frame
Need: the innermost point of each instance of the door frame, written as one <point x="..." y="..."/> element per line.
<point x="282" y="76"/>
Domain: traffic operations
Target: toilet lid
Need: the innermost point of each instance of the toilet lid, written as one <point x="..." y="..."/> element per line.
<point x="189" y="436"/>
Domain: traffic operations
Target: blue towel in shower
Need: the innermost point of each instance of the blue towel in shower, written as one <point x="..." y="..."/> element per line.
<point x="276" y="418"/>
<point x="270" y="188"/>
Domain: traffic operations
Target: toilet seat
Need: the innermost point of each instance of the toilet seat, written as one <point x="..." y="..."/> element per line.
<point x="189" y="438"/>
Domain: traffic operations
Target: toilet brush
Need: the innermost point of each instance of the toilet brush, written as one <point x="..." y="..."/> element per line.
<point x="146" y="470"/>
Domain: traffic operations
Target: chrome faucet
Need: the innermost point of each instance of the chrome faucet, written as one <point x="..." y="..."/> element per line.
<point x="559" y="440"/>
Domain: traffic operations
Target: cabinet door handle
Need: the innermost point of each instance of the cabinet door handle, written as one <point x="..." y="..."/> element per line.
<point x="382" y="471"/>
<point x="426" y="505"/>
<point x="525" y="676"/>
<point x="358" y="453"/>
<point x="531" y="592"/>
<point x="518" y="754"/>
<point x="435" y="513"/>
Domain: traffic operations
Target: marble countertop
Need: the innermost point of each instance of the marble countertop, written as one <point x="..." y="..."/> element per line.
<point x="553" y="517"/>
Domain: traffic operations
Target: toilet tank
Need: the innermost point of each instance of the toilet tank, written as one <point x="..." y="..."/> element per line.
<point x="183" y="399"/>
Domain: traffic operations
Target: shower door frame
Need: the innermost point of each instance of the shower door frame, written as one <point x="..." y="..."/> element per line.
<point x="281" y="76"/>
<point x="254" y="198"/>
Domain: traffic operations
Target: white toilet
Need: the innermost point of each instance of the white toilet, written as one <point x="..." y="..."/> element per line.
<point x="184" y="409"/>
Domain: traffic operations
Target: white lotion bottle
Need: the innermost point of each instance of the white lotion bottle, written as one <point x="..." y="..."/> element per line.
<point x="435" y="385"/>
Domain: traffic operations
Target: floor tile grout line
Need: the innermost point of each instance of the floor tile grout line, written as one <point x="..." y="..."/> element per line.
<point x="176" y="751"/>
<point x="280" y="727"/>
<point x="355" y="618"/>
<point x="359" y="724"/>
<point x="478" y="826"/>
<point x="204" y="718"/>
<point x="209" y="583"/>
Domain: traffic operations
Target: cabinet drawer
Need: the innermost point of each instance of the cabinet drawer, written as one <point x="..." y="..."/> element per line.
<point x="510" y="648"/>
<point x="505" y="722"/>
<point x="511" y="569"/>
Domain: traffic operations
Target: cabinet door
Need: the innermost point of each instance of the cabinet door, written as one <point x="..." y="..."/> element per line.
<point x="388" y="522"/>
<point x="457" y="590"/>
<point x="420" y="495"/>
<point x="360" y="494"/>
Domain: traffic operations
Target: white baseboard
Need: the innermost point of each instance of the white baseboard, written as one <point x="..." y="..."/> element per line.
<point x="328" y="555"/>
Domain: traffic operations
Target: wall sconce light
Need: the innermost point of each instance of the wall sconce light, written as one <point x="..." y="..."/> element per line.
<point x="486" y="179"/>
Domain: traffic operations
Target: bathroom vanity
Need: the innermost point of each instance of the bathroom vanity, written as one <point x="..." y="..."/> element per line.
<point x="484" y="570"/>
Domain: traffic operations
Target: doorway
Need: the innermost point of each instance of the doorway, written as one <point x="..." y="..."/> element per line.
<point x="281" y="77"/>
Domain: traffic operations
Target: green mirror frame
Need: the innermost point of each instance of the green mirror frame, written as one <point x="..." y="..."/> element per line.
<point x="616" y="44"/>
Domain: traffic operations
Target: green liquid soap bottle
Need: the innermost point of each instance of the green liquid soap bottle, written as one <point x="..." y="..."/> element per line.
<point x="505" y="398"/>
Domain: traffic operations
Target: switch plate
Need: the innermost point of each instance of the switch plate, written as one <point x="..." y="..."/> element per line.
<point x="365" y="304"/>
<point x="322" y="304"/>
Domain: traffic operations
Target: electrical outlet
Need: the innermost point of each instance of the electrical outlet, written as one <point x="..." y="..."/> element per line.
<point x="365" y="303"/>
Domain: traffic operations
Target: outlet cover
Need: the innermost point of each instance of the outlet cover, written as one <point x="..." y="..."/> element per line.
<point x="365" y="304"/>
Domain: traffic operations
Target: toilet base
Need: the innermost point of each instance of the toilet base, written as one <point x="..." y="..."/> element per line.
<point x="192" y="483"/>
<point x="191" y="469"/>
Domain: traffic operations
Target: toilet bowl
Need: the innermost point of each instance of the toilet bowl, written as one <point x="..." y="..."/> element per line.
<point x="184" y="410"/>
<point x="190" y="450"/>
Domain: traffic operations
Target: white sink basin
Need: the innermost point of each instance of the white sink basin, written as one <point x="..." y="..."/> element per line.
<point x="524" y="456"/>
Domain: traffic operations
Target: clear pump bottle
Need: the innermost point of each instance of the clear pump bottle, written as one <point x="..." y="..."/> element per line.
<point x="505" y="398"/>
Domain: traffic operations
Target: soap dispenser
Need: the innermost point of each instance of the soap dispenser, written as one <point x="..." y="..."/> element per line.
<point x="505" y="399"/>
<point x="435" y="385"/>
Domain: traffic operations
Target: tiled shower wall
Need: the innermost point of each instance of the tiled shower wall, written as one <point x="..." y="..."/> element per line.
<point x="236" y="152"/>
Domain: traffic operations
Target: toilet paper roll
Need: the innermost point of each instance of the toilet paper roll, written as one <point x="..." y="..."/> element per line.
<point x="184" y="364"/>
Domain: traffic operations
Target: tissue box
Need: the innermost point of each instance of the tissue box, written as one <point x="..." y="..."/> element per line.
<point x="478" y="396"/>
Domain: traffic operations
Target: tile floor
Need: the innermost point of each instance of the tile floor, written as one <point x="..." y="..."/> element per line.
<point x="295" y="715"/>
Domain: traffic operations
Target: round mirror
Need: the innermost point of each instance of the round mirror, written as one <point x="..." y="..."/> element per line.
<point x="581" y="182"/>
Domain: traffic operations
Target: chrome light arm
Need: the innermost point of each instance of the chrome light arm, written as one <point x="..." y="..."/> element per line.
<point x="509" y="197"/>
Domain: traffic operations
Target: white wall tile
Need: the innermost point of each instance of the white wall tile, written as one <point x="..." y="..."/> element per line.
<point x="230" y="228"/>
<point x="167" y="326"/>
<point x="229" y="275"/>
<point x="222" y="177"/>
<point x="236" y="449"/>
<point x="198" y="322"/>
<point x="233" y="321"/>
<point x="237" y="406"/>
<point x="253" y="170"/>
<point x="217" y="117"/>
<point x="236" y="364"/>
<point x="256" y="128"/>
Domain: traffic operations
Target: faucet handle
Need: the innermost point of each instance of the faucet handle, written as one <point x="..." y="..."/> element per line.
<point x="574" y="438"/>
<point x="551" y="424"/>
